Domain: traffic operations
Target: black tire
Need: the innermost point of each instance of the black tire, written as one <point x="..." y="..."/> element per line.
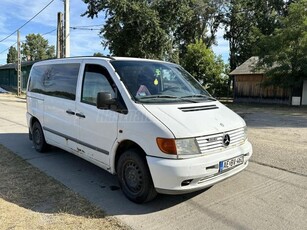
<point x="38" y="138"/>
<point x="134" y="177"/>
<point x="30" y="135"/>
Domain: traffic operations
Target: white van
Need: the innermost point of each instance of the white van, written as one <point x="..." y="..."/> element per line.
<point x="150" y="122"/>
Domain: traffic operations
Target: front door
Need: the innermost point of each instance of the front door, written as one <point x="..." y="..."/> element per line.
<point x="97" y="128"/>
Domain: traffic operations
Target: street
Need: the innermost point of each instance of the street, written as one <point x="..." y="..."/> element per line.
<point x="270" y="194"/>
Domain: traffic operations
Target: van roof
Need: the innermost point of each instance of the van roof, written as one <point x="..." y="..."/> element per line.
<point x="101" y="57"/>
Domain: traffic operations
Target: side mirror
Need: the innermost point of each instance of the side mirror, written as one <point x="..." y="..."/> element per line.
<point x="105" y="100"/>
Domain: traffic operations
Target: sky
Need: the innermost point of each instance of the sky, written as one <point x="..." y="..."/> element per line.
<point x="14" y="14"/>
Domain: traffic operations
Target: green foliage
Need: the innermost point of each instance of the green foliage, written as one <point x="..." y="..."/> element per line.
<point x="36" y="48"/>
<point x="165" y="30"/>
<point x="188" y="20"/>
<point x="156" y="29"/>
<point x="98" y="54"/>
<point x="246" y="21"/>
<point x="132" y="28"/>
<point x="202" y="63"/>
<point x="284" y="53"/>
<point x="12" y="55"/>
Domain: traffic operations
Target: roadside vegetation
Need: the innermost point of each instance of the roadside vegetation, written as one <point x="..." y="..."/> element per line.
<point x="186" y="31"/>
<point x="29" y="199"/>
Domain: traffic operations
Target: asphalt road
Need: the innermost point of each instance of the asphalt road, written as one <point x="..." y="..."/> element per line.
<point x="270" y="194"/>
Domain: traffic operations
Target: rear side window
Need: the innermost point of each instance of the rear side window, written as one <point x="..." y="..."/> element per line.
<point x="59" y="80"/>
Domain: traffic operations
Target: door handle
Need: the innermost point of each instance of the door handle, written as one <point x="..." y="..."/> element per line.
<point x="80" y="115"/>
<point x="70" y="112"/>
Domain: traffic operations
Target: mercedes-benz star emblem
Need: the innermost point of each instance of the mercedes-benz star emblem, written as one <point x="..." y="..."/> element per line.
<point x="226" y="140"/>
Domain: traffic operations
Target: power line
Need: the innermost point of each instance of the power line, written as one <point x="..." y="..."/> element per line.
<point x="88" y="26"/>
<point x="27" y="21"/>
<point x="49" y="32"/>
<point x="76" y="28"/>
<point x="24" y="40"/>
<point x="8" y="48"/>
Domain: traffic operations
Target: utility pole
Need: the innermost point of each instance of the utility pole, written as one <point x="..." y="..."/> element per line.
<point x="59" y="43"/>
<point x="18" y="65"/>
<point x="66" y="28"/>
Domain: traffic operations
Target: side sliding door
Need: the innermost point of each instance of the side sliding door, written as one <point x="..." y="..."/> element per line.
<point x="60" y="83"/>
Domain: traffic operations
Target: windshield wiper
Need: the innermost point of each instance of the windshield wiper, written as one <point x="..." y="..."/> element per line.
<point x="159" y="96"/>
<point x="199" y="96"/>
<point x="166" y="97"/>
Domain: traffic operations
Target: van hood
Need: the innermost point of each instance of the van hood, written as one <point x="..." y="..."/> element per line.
<point x="197" y="119"/>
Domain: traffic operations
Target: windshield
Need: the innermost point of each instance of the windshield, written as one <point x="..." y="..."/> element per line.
<point x="152" y="82"/>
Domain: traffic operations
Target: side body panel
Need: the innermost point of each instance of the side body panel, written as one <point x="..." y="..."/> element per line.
<point x="97" y="128"/>
<point x="58" y="122"/>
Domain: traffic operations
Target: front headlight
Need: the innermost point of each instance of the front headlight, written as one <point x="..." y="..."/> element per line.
<point x="178" y="146"/>
<point x="187" y="146"/>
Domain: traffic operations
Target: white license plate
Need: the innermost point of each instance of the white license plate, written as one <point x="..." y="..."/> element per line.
<point x="230" y="163"/>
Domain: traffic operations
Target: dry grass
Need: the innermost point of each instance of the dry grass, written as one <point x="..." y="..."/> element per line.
<point x="29" y="199"/>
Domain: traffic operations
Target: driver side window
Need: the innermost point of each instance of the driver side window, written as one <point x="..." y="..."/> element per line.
<point x="96" y="79"/>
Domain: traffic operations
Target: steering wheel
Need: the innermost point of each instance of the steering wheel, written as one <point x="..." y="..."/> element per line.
<point x="172" y="88"/>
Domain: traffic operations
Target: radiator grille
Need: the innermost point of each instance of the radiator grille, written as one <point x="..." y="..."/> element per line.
<point x="215" y="141"/>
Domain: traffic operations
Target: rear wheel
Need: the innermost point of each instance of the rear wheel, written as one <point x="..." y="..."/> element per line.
<point x="38" y="138"/>
<point x="134" y="177"/>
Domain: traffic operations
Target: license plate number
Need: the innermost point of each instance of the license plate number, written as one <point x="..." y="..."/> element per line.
<point x="230" y="163"/>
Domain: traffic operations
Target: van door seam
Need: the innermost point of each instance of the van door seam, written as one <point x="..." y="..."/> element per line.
<point x="76" y="140"/>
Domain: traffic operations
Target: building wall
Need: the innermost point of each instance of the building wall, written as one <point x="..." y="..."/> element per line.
<point x="304" y="95"/>
<point x="25" y="76"/>
<point x="249" y="88"/>
<point x="8" y="77"/>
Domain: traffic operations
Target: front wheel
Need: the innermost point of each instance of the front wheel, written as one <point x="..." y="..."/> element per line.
<point x="38" y="138"/>
<point x="134" y="177"/>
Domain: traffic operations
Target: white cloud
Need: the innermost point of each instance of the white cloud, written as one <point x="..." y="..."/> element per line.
<point x="15" y="13"/>
<point x="23" y="10"/>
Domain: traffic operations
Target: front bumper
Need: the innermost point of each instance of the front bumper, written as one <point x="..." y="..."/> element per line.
<point x="170" y="176"/>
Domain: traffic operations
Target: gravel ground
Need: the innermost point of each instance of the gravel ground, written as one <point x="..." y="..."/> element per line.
<point x="278" y="135"/>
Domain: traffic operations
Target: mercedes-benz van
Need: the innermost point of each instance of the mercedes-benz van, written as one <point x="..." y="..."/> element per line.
<point x="150" y="122"/>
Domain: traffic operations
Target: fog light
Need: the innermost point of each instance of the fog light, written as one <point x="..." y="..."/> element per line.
<point x="186" y="182"/>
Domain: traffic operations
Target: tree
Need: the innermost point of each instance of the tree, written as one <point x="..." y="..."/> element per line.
<point x="156" y="29"/>
<point x="36" y="48"/>
<point x="188" y="20"/>
<point x="202" y="63"/>
<point x="284" y="53"/>
<point x="246" y="21"/>
<point x="131" y="29"/>
<point x="98" y="54"/>
<point x="166" y="30"/>
<point x="12" y="55"/>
